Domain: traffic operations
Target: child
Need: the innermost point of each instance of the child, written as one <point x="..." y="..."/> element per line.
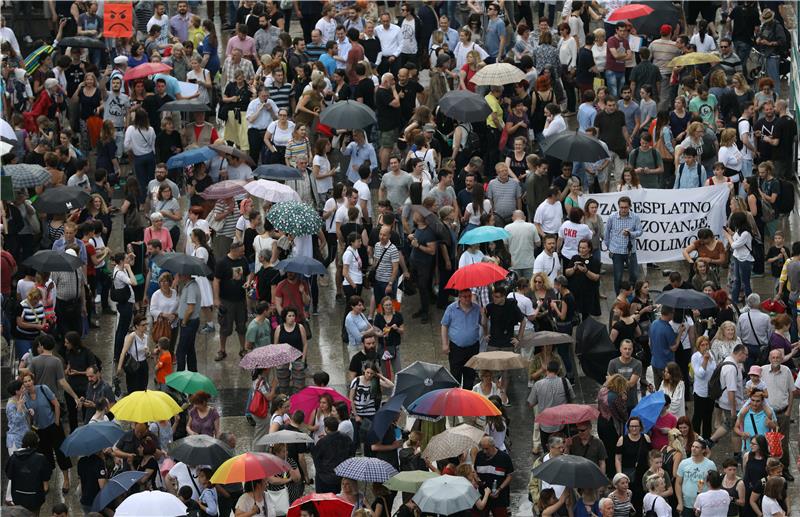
<point x="321" y="379"/>
<point x="164" y="362"/>
<point x="777" y="255"/>
<point x="755" y="382"/>
<point x="208" y="497"/>
<point x="655" y="461"/>
<point x="100" y="410"/>
<point x="185" y="495"/>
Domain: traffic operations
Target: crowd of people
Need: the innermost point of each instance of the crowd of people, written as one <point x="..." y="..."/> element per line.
<point x="394" y="198"/>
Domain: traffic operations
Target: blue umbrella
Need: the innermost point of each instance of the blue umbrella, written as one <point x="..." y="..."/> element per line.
<point x="190" y="157"/>
<point x="649" y="409"/>
<point x="91" y="438"/>
<point x="385" y="417"/>
<point x="483" y="234"/>
<point x="277" y="171"/>
<point x="302" y="265"/>
<point x="115" y="487"/>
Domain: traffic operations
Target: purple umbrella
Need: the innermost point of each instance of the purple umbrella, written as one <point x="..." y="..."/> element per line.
<point x="225" y="189"/>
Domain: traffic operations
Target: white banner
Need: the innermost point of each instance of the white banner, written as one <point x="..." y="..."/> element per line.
<point x="670" y="218"/>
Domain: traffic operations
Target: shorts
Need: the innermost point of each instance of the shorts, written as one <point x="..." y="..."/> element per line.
<point x="230" y="314"/>
<point x="725" y="418"/>
<point x="388" y="138"/>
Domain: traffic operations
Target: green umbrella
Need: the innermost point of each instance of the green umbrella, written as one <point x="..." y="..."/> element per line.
<point x="295" y="218"/>
<point x="409" y="481"/>
<point x="191" y="382"/>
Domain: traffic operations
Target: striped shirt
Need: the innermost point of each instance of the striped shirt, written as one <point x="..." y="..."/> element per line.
<point x="383" y="272"/>
<point x="280" y="94"/>
<point x="34" y="315"/>
<point x="229" y="223"/>
<point x="504" y="196"/>
<point x="364" y="403"/>
<point x="314" y="51"/>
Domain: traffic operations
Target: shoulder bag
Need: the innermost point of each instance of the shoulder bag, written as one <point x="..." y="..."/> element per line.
<point x="373" y="271"/>
<point x="258" y="407"/>
<point x="119" y="294"/>
<point x="279" y="500"/>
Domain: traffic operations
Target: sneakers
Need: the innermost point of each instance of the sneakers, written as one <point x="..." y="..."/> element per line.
<point x="97" y="298"/>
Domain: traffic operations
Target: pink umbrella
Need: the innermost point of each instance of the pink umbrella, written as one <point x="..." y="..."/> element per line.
<point x="145" y="70"/>
<point x="224" y="189"/>
<point x="270" y="356"/>
<point x="307" y="399"/>
<point x="567" y="414"/>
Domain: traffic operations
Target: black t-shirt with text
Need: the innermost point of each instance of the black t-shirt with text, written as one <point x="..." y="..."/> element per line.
<point x="232" y="274"/>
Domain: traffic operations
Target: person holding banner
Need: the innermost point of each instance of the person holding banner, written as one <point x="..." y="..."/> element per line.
<point x="622" y="230"/>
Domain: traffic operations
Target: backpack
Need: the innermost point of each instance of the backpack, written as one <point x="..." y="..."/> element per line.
<point x="784" y="203"/>
<point x="699" y="173"/>
<point x="473" y="143"/>
<point x="715" y="382"/>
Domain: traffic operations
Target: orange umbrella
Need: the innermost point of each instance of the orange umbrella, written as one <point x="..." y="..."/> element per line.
<point x="249" y="467"/>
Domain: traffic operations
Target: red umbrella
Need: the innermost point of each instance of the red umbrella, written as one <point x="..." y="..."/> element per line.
<point x="476" y="275"/>
<point x="328" y="505"/>
<point x="567" y="414"/>
<point x="145" y="70"/>
<point x="629" y="12"/>
<point x="307" y="399"/>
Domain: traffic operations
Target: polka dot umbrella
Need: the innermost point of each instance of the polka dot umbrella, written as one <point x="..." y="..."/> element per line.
<point x="295" y="218"/>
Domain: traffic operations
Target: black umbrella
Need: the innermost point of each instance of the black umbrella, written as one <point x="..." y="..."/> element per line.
<point x="348" y="115"/>
<point x="200" y="449"/>
<point x="114" y="488"/>
<point x="81" y="42"/>
<point x="184" y="106"/>
<point x="48" y="261"/>
<point x="182" y="264"/>
<point x="574" y="147"/>
<point x="60" y="200"/>
<point x="571" y="471"/>
<point x="277" y="171"/>
<point x="464" y="106"/>
<point x="419" y="378"/>
<point x="595" y="349"/>
<point x="686" y="299"/>
<point x="664" y="13"/>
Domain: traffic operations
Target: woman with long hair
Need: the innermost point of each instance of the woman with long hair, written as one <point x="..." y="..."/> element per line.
<point x="168" y="141"/>
<point x="208" y="48"/>
<point x="612" y="404"/>
<point x="202" y="78"/>
<point x="310" y="103"/>
<point x="365" y="393"/>
<point x="202" y="251"/>
<point x="631" y="461"/>
<point x="497" y="426"/>
<point x="277" y="137"/>
<point x="741" y="241"/>
<point x="292" y="378"/>
<point x="661" y="131"/>
<point x="754" y="467"/>
<point x="679" y="119"/>
<point x="687" y="435"/>
<point x="703" y="366"/>
<point x="322" y="171"/>
<point x="629" y="180"/>
<point x="298" y="145"/>
<point x="543" y="94"/>
<point x="107" y="150"/>
<point x="133" y="356"/>
<point x="741" y="88"/>
<point x="672" y="385"/>
<point x="140" y="142"/>
<point x="673" y="452"/>
<point x="121" y="277"/>
<point x="324" y="409"/>
<point x="170" y="210"/>
<point x="476" y="209"/>
<point x="468" y="70"/>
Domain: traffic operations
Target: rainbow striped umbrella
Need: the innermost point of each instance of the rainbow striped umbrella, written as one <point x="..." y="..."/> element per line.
<point x="35" y="58"/>
<point x="453" y="402"/>
<point x="248" y="467"/>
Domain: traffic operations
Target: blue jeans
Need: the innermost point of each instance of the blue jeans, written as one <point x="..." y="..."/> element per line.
<point x="22" y="346"/>
<point x="743" y="50"/>
<point x="186" y="355"/>
<point x="379" y="291"/>
<point x="620" y="260"/>
<point x="124" y="317"/>
<point x="773" y="71"/>
<point x="614" y="81"/>
<point x="145" y="168"/>
<point x="741" y="279"/>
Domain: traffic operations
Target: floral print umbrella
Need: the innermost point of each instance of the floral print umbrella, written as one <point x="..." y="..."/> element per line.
<point x="295" y="218"/>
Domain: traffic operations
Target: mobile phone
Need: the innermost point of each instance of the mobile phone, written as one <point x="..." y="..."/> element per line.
<point x="398" y="434"/>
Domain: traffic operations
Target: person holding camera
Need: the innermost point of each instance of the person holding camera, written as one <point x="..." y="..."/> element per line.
<point x="583" y="272"/>
<point x="622" y="230"/>
<point x="260" y="113"/>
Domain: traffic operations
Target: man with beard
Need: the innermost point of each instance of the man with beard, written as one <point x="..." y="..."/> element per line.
<point x="368" y="353"/>
<point x="152" y="103"/>
<point x="783" y="141"/>
<point x="409" y="92"/>
<point x="116" y="110"/>
<point x="266" y="36"/>
<point x="765" y="132"/>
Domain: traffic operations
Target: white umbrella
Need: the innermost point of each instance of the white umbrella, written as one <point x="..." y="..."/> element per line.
<point x="5" y="148"/>
<point x="151" y="504"/>
<point x="7" y="132"/>
<point x="498" y="74"/>
<point x="271" y="191"/>
<point x="445" y="495"/>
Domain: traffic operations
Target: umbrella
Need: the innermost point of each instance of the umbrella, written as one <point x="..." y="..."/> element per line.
<point x="694" y="58"/>
<point x="468" y="430"/>
<point x="409" y="481"/>
<point x="371" y="470"/>
<point x="664" y="13"/>
<point x="285" y="436"/>
<point x="594" y="348"/>
<point x="36" y="57"/>
<point x="115" y="487"/>
<point x="146" y="406"/>
<point x="7" y="134"/>
<point x="454" y="402"/>
<point x="184" y="106"/>
<point x="571" y="471"/>
<point x="270" y="356"/>
<point x="483" y="234"/>
<point x="629" y="12"/>
<point x="574" y="147"/>
<point x="498" y="74"/>
<point x="48" y="261"/>
<point x="649" y="409"/>
<point x="60" y="200"/>
<point x="567" y="414"/>
<point x="271" y="191"/>
<point x="497" y="361"/>
<point x="329" y="505"/>
<point x="224" y="189"/>
<point x="464" y="106"/>
<point x="182" y="264"/>
<point x="248" y="467"/>
<point x="145" y="70"/>
<point x="200" y="449"/>
<point x="384" y="418"/>
<point x="82" y="42"/>
<point x="277" y="171"/>
<point x="441" y="231"/>
<point x="151" y="504"/>
<point x="547" y="337"/>
<point x="307" y="399"/>
<point x="686" y="299"/>
<point x="348" y="115"/>
<point x="295" y="218"/>
<point x="302" y="265"/>
<point x="446" y="495"/>
<point x="89" y="439"/>
<point x="189" y="382"/>
<point x="233" y="151"/>
<point x="419" y="378"/>
<point x="190" y="157"/>
<point x="476" y="275"/>
<point x="27" y="175"/>
<point x="448" y="445"/>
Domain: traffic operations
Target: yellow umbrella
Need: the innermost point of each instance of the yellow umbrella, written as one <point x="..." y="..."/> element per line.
<point x="146" y="406"/>
<point x="694" y="58"/>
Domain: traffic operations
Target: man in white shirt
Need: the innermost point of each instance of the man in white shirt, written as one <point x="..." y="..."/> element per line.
<point x="778" y="378"/>
<point x="326" y="25"/>
<point x="548" y="214"/>
<point x="364" y="194"/>
<point x="260" y="113"/>
<point x="556" y="447"/>
<point x="732" y="398"/>
<point x="391" y="38"/>
<point x="521" y="244"/>
<point x="547" y="262"/>
<point x="161" y="19"/>
<point x="340" y="217"/>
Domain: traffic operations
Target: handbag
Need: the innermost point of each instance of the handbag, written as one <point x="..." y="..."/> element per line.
<point x="774" y="442"/>
<point x="373" y="271"/>
<point x="161" y="328"/>
<point x="259" y="407"/>
<point x="131" y="365"/>
<point x="119" y="294"/>
<point x="662" y="149"/>
<point x="279" y="500"/>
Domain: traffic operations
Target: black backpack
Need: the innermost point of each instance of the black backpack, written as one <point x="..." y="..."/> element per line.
<point x="714" y="383"/>
<point x="784" y="203"/>
<point x="700" y="181"/>
<point x="473" y="143"/>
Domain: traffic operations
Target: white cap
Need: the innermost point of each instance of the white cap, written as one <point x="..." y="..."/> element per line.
<point x="71" y="252"/>
<point x="120" y="60"/>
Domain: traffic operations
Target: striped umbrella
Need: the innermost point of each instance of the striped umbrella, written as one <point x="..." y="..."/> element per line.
<point x="270" y="356"/>
<point x="27" y="175"/>
<point x="372" y="470"/>
<point x="448" y="445"/>
<point x="248" y="467"/>
<point x="36" y="57"/>
<point x="224" y="189"/>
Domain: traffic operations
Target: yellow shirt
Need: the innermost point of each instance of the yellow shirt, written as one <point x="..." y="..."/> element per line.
<point x="494" y="103"/>
<point x="196" y="36"/>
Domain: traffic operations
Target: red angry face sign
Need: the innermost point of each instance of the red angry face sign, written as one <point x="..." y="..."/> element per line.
<point x="118" y="20"/>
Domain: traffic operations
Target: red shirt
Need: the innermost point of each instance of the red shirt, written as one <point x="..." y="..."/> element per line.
<point x="289" y="293"/>
<point x="612" y="63"/>
<point x="198" y="129"/>
<point x="7" y="268"/>
<point x="90" y="251"/>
